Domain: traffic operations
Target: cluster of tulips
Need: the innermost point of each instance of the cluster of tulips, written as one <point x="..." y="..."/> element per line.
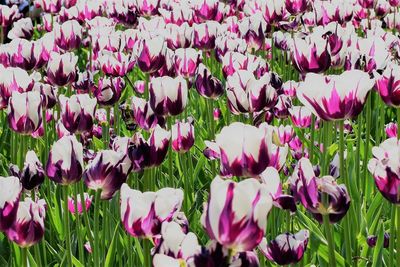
<point x="204" y="133"/>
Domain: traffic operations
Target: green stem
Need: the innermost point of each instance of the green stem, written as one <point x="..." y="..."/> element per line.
<point x="398" y="236"/>
<point x="329" y="238"/>
<point x="67" y="231"/>
<point x="146" y="252"/>
<point x="38" y="257"/>
<point x="367" y="139"/>
<point x="392" y="235"/>
<point x="96" y="251"/>
<point x="24" y="257"/>
<point x="311" y="152"/>
<point x="78" y="224"/>
<point x="170" y="165"/>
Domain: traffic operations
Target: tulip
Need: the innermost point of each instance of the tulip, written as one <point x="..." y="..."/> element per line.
<point x="61" y="69"/>
<point x="10" y="188"/>
<point x="24" y="112"/>
<point x="168" y="96"/>
<point x="205" y="10"/>
<point x="48" y="94"/>
<point x="308" y="189"/>
<point x="286" y="248"/>
<point x="343" y="98"/>
<point x="177" y="14"/>
<point x="142" y="213"/>
<point x="144" y="115"/>
<point x="21" y="54"/>
<point x="186" y="61"/>
<point x="22" y="28"/>
<point x="107" y="171"/>
<point x="204" y="35"/>
<point x="229" y="43"/>
<point x="68" y="35"/>
<point x="388" y="85"/>
<point x="182" y="136"/>
<point x="151" y="54"/>
<point x="43" y="48"/>
<point x="289" y="88"/>
<point x="122" y="13"/>
<point x="71" y="203"/>
<point x="65" y="163"/>
<point x="391" y="130"/>
<point x="77" y="112"/>
<point x="108" y="91"/>
<point x="32" y="174"/>
<point x="147" y="8"/>
<point x="300" y="116"/>
<point x="115" y="64"/>
<point x="372" y="239"/>
<point x="28" y="227"/>
<point x="207" y="85"/>
<point x="13" y="80"/>
<point x="274" y="11"/>
<point x="49" y="6"/>
<point x="295" y="7"/>
<point x="8" y="15"/>
<point x="85" y="82"/>
<point x="282" y="106"/>
<point x="178" y="36"/>
<point x="235" y="214"/>
<point x="252" y="31"/>
<point x="150" y="153"/>
<point x="311" y="54"/>
<point x="385" y="170"/>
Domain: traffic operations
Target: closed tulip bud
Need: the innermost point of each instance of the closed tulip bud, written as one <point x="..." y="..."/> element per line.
<point x="48" y="93"/>
<point x="115" y="64"/>
<point x="28" y="227"/>
<point x="140" y="87"/>
<point x="311" y="54"/>
<point x="24" y="112"/>
<point x="49" y="6"/>
<point x="205" y="10"/>
<point x="168" y="96"/>
<point x="206" y="84"/>
<point x="21" y="54"/>
<point x="177" y="14"/>
<point x="10" y="189"/>
<point x="32" y="174"/>
<point x="22" y="28"/>
<point x="241" y="208"/>
<point x="286" y="248"/>
<point x="274" y="11"/>
<point x="68" y="35"/>
<point x="65" y="163"/>
<point x="216" y="114"/>
<point x="43" y="48"/>
<point x="309" y="189"/>
<point x="384" y="167"/>
<point x="77" y="112"/>
<point x="295" y="7"/>
<point x="300" y="116"/>
<point x="185" y="61"/>
<point x="8" y="15"/>
<point x="391" y="130"/>
<point x="106" y="172"/>
<point x="108" y="91"/>
<point x="343" y="98"/>
<point x="61" y="69"/>
<point x="394" y="3"/>
<point x="142" y="214"/>
<point x="204" y="35"/>
<point x="13" y="80"/>
<point x="85" y="82"/>
<point x="150" y="153"/>
<point x="144" y="115"/>
<point x="281" y="109"/>
<point x="388" y="85"/>
<point x="252" y="31"/>
<point x="367" y="3"/>
<point x="183" y="136"/>
<point x="150" y="54"/>
<point x="179" y="36"/>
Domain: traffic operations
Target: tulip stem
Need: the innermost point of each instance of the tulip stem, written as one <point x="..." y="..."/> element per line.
<point x="96" y="251"/>
<point x="398" y="236"/>
<point x="24" y="257"/>
<point x="367" y="140"/>
<point x="329" y="238"/>
<point x="78" y="223"/>
<point x="312" y="138"/>
<point x="170" y="166"/>
<point x="67" y="232"/>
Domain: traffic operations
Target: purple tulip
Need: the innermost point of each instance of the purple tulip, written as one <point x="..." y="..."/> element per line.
<point x="282" y="107"/>
<point x="300" y="116"/>
<point x="286" y="248"/>
<point x="391" y="130"/>
<point x="144" y="115"/>
<point x="24" y="112"/>
<point x="295" y="7"/>
<point x="49" y="6"/>
<point x="68" y="35"/>
<point x="182" y="136"/>
<point x="71" y="203"/>
<point x="10" y="188"/>
<point x="22" y="28"/>
<point x="142" y="214"/>
<point x="151" y="54"/>
<point x="343" y="98"/>
<point x="65" y="163"/>
<point x="205" y="10"/>
<point x="274" y="11"/>
<point x="13" y="80"/>
<point x="28" y="227"/>
<point x="115" y="64"/>
<point x="32" y="174"/>
<point x="43" y="48"/>
<point x="309" y="190"/>
<point x="177" y="14"/>
<point x="179" y="36"/>
<point x="372" y="239"/>
<point x="204" y="35"/>
<point x="185" y="61"/>
<point x="21" y="53"/>
<point x="77" y="112"/>
<point x="8" y="15"/>
<point x="147" y="7"/>
<point x="107" y="171"/>
<point x="206" y="84"/>
<point x="235" y="214"/>
<point x="61" y="69"/>
<point x="108" y="91"/>
<point x="388" y="85"/>
<point x="252" y="31"/>
<point x="384" y="167"/>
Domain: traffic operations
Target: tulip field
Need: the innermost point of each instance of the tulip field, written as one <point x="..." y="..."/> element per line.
<point x="200" y="133"/>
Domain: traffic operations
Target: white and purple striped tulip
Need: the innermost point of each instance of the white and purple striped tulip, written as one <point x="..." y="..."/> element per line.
<point x="236" y="213"/>
<point x="106" y="172"/>
<point x="21" y="53"/>
<point x="168" y="96"/>
<point x="108" y="91"/>
<point x="65" y="163"/>
<point x="77" y="112"/>
<point x="178" y="36"/>
<point x="301" y="116"/>
<point x="71" y="203"/>
<point x="388" y="85"/>
<point x="22" y="28"/>
<point x="24" y="112"/>
<point x="204" y="35"/>
<point x="183" y="135"/>
<point x="68" y="35"/>
<point x="185" y="61"/>
<point x="385" y="167"/>
<point x="295" y="7"/>
<point x="49" y="6"/>
<point x="286" y="248"/>
<point x="308" y="189"/>
<point x="10" y="192"/>
<point x="61" y="69"/>
<point x="32" y="174"/>
<point x="142" y="213"/>
<point x="28" y="227"/>
<point x="13" y="80"/>
<point x="343" y="96"/>
<point x="8" y="15"/>
<point x="206" y="84"/>
<point x="391" y="130"/>
<point x="144" y="115"/>
<point x="116" y="64"/>
<point x="205" y="10"/>
<point x="49" y="94"/>
<point x="150" y="54"/>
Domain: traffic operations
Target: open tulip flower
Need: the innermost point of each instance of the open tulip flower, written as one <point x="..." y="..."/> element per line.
<point x="11" y="192"/>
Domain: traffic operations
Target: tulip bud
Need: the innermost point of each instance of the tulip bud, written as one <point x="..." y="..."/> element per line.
<point x="151" y="54"/>
<point x="142" y="214"/>
<point x="13" y="80"/>
<point x="61" y="69"/>
<point x="186" y="61"/>
<point x="183" y="136"/>
<point x="207" y="85"/>
<point x="65" y="163"/>
<point x="108" y="91"/>
<point x="22" y="28"/>
<point x="32" y="174"/>
<point x="28" y="227"/>
<point x="49" y="6"/>
<point x="10" y="189"/>
<point x="388" y="85"/>
<point x="71" y="203"/>
<point x="115" y="64"/>
<point x="300" y="116"/>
